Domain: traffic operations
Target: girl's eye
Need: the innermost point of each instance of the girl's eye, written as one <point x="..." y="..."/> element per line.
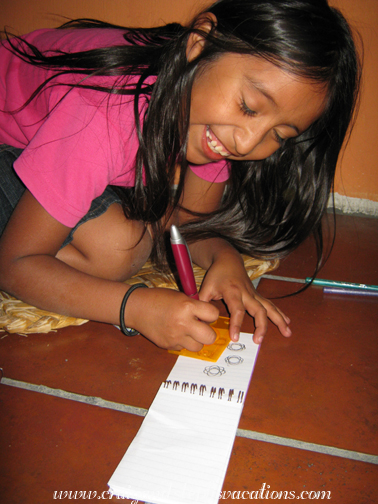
<point x="279" y="139"/>
<point x="246" y="110"/>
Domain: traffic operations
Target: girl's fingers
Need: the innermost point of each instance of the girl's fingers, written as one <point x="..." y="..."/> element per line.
<point x="261" y="324"/>
<point x="206" y="311"/>
<point x="236" y="321"/>
<point x="261" y="320"/>
<point x="278" y="318"/>
<point x="203" y="337"/>
<point x="236" y="309"/>
<point x="260" y="309"/>
<point x="208" y="294"/>
<point x="201" y="334"/>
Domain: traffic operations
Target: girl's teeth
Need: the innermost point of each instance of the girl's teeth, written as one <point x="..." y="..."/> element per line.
<point x="213" y="144"/>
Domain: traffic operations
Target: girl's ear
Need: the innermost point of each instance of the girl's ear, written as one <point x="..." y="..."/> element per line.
<point x="196" y="42"/>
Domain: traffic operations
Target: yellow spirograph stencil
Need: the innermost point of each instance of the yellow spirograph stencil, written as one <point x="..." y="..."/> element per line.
<point x="214" y="351"/>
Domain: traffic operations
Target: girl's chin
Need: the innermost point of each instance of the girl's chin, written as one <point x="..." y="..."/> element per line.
<point x="196" y="157"/>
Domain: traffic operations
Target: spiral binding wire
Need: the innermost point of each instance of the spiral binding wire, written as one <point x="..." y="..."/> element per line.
<point x="214" y="392"/>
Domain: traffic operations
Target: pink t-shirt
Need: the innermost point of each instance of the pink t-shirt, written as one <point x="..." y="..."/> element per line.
<point x="76" y="141"/>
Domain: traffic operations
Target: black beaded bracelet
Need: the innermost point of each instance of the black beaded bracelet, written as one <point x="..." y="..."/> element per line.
<point x="127" y="330"/>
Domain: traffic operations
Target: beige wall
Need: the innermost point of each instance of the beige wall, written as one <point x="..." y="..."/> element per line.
<point x="358" y="171"/>
<point x="357" y="174"/>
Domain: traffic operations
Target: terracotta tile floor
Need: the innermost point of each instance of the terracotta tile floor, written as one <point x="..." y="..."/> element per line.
<point x="309" y="424"/>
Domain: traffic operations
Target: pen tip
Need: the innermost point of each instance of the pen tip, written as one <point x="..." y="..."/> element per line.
<point x="175" y="233"/>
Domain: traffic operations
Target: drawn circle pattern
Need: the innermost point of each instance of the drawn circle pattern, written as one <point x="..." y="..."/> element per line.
<point x="233" y="360"/>
<point x="214" y="370"/>
<point x="236" y="347"/>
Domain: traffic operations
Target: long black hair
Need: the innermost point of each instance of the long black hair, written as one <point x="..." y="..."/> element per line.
<point x="269" y="206"/>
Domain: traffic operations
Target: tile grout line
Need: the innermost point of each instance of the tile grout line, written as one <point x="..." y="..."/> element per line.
<point x="248" y="434"/>
<point x="304" y="445"/>
<point x="94" y="401"/>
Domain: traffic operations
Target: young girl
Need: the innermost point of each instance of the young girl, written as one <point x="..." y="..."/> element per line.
<point x="246" y="109"/>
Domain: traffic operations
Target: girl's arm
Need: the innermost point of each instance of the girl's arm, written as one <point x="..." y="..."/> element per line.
<point x="30" y="270"/>
<point x="226" y="277"/>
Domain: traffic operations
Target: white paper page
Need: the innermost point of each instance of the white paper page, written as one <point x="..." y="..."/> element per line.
<point x="180" y="459"/>
<point x="181" y="452"/>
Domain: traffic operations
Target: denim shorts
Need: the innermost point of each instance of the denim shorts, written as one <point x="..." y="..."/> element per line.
<point x="11" y="190"/>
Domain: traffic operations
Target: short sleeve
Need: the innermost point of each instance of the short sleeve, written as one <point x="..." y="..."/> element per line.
<point x="77" y="151"/>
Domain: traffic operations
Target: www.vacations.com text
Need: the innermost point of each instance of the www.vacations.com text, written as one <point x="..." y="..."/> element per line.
<point x="264" y="493"/>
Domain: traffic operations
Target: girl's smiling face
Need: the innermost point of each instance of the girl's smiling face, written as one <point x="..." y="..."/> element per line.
<point x="244" y="107"/>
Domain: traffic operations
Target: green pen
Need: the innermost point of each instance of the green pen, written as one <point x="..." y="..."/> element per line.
<point x="344" y="285"/>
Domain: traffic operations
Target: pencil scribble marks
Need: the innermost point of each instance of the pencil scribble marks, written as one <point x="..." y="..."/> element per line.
<point x="236" y="347"/>
<point x="214" y="370"/>
<point x="234" y="360"/>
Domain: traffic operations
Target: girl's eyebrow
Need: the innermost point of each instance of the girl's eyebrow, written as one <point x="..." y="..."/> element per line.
<point x="258" y="86"/>
<point x="261" y="88"/>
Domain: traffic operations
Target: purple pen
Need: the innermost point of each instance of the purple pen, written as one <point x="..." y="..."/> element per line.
<point x="350" y="292"/>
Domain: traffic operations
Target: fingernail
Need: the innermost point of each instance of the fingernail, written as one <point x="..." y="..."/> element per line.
<point x="289" y="331"/>
<point x="259" y="340"/>
<point x="235" y="337"/>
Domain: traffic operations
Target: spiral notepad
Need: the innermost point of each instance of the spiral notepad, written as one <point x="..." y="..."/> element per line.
<point x="181" y="452"/>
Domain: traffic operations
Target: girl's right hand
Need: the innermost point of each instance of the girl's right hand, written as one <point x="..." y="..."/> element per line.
<point x="170" y="319"/>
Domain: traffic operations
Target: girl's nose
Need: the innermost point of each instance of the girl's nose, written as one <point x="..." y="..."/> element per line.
<point x="246" y="139"/>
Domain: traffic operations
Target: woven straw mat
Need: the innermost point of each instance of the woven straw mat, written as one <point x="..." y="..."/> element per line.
<point x="21" y="318"/>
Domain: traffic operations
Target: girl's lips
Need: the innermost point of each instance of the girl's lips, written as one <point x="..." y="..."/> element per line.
<point x="212" y="147"/>
<point x="215" y="144"/>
